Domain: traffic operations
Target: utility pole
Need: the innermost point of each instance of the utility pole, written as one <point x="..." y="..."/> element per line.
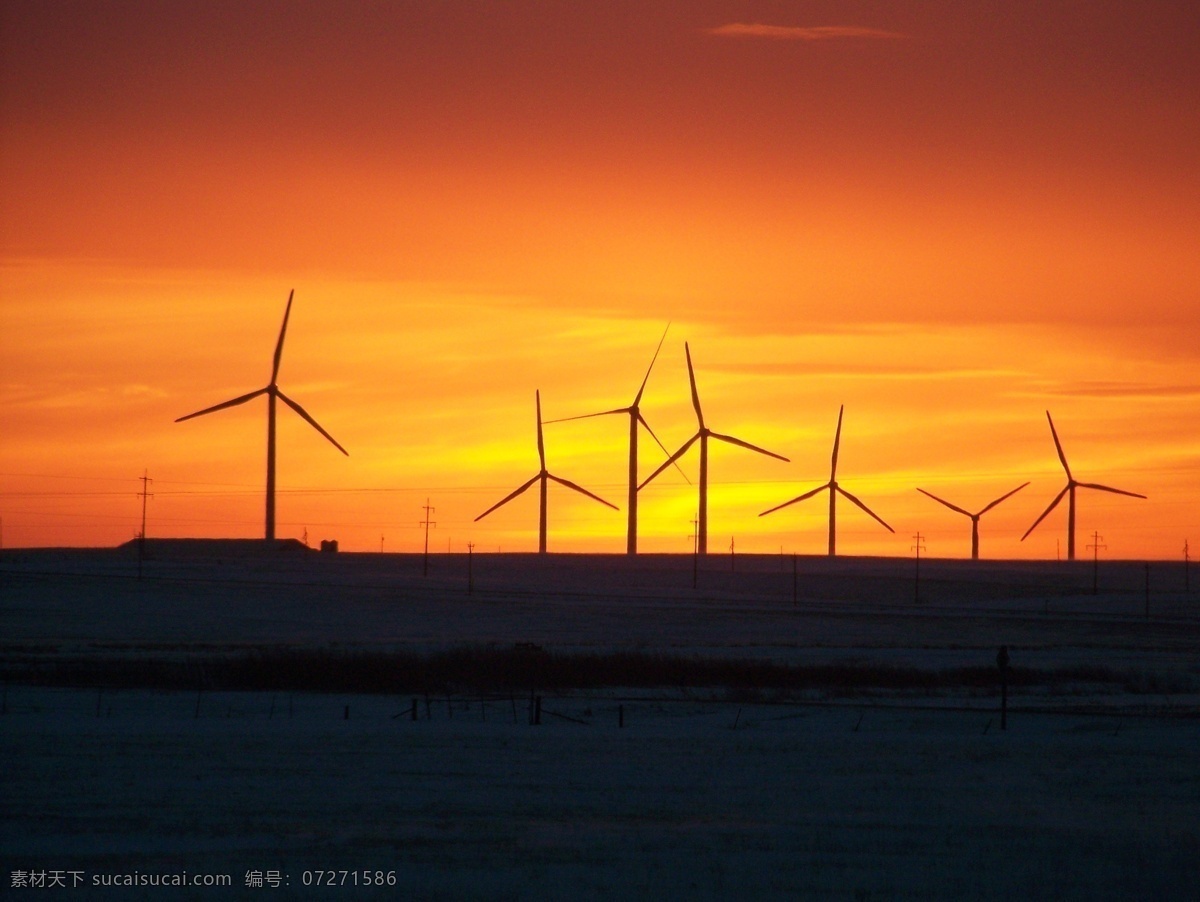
<point x="426" y="523"/>
<point x="470" y="573"/>
<point x="918" y="548"/>
<point x="144" y="494"/>
<point x="731" y="558"/>
<point x="1096" y="548"/>
<point x="381" y="544"/>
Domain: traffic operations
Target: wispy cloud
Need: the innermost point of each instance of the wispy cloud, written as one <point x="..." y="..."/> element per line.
<point x="1098" y="389"/>
<point x="803" y="33"/>
<point x="864" y="371"/>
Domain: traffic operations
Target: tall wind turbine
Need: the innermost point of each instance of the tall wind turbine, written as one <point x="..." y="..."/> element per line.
<point x="635" y="417"/>
<point x="834" y="489"/>
<point x="272" y="391"/>
<point x="703" y="434"/>
<point x="1069" y="490"/>
<point x="974" y="517"/>
<point x="543" y="476"/>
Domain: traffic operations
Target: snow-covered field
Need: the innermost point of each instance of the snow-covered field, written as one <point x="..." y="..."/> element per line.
<point x="1092" y="792"/>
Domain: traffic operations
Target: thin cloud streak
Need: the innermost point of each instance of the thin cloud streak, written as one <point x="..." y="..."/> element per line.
<point x="803" y="33"/>
<point x="852" y="371"/>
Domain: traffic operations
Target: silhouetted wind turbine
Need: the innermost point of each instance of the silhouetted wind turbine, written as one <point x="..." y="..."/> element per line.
<point x="703" y="434"/>
<point x="635" y="417"/>
<point x="974" y="517"/>
<point x="272" y="391"/>
<point x="834" y="488"/>
<point x="1069" y="490"/>
<point x="543" y="476"/>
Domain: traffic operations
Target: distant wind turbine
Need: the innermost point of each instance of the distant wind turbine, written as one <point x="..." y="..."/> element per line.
<point x="543" y="476"/>
<point x="635" y="417"/>
<point x="834" y="489"/>
<point x="272" y="391"/>
<point x="703" y="434"/>
<point x="974" y="517"/>
<point x="1069" y="490"/>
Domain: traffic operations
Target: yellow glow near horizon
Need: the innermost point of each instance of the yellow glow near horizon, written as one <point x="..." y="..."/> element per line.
<point x="430" y="409"/>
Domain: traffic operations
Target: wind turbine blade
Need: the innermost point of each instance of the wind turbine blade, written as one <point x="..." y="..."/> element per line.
<point x="1053" y="505"/>
<point x="670" y="460"/>
<point x="953" y="507"/>
<point x="541" y="445"/>
<point x="692" y="380"/>
<point x="580" y="489"/>
<point x="865" y="508"/>
<point x="803" y="497"/>
<point x="1001" y="498"/>
<point x="234" y="403"/>
<point x="642" y="420"/>
<point x="1058" y="446"/>
<point x="1105" y="488"/>
<point x="279" y="344"/>
<point x="837" y="440"/>
<point x="638" y="397"/>
<point x="737" y="441"/>
<point x="587" y="416"/>
<point x="315" y="425"/>
<point x="509" y="497"/>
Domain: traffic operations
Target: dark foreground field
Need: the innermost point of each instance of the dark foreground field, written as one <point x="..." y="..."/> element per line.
<point x="582" y="726"/>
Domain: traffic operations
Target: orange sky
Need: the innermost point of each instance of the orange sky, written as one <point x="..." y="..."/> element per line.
<point x="949" y="217"/>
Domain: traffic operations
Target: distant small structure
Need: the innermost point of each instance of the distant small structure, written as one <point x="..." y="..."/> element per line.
<point x="329" y="546"/>
<point x="164" y="549"/>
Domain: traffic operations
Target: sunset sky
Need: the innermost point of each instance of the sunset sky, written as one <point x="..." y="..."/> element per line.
<point x="950" y="217"/>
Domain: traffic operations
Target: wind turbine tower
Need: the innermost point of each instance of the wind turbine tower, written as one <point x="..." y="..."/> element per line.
<point x="272" y="391"/>
<point x="635" y="418"/>
<point x="974" y="517"/>
<point x="1069" y="491"/>
<point x="543" y="477"/>
<point x="703" y="434"/>
<point x="834" y="490"/>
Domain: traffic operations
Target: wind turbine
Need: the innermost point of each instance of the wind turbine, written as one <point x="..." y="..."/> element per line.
<point x="635" y="417"/>
<point x="834" y="489"/>
<point x="974" y="517"/>
<point x="1069" y="490"/>
<point x="703" y="434"/>
<point x="543" y="476"/>
<point x="272" y="391"/>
